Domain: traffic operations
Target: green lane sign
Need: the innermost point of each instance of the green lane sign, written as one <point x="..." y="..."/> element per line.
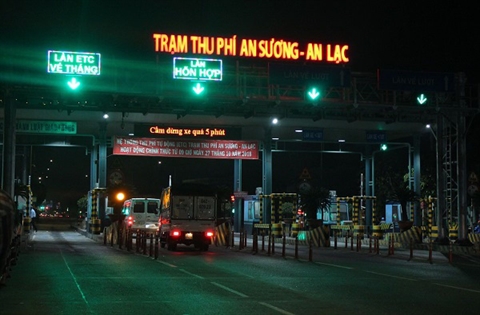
<point x="197" y="69"/>
<point x="73" y="63"/>
<point x="44" y="127"/>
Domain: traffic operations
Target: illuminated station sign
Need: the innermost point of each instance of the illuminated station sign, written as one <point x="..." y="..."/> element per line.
<point x="197" y="69"/>
<point x="274" y="49"/>
<point x="73" y="63"/>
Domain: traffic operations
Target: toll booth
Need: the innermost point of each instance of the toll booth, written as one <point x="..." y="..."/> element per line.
<point x="96" y="210"/>
<point x="251" y="212"/>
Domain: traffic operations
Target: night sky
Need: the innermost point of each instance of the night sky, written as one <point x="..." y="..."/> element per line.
<point x="402" y="35"/>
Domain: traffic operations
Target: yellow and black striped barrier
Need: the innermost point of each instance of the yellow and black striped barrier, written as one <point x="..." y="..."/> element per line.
<point x="95" y="225"/>
<point x="222" y="234"/>
<point x="359" y="230"/>
<point x="26" y="224"/>
<point x="474" y="238"/>
<point x="277" y="230"/>
<point x="320" y="236"/>
<point x="295" y="229"/>
<point x="377" y="231"/>
<point x="453" y="231"/>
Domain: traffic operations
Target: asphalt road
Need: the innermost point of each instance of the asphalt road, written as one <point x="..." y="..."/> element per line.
<point x="66" y="272"/>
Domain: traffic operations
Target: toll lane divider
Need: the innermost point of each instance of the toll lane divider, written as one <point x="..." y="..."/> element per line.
<point x="222" y="234"/>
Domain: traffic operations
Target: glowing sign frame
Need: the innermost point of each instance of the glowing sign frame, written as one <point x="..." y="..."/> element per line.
<point x="197" y="69"/>
<point x="73" y="63"/>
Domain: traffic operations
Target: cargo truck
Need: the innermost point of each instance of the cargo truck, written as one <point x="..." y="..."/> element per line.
<point x="187" y="216"/>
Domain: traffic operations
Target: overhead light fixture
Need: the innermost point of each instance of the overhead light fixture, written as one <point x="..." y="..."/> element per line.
<point x="105" y="116"/>
<point x="275" y="121"/>
<point x="298" y="130"/>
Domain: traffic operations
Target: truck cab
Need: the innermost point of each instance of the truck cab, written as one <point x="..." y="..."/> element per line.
<point x="187" y="216"/>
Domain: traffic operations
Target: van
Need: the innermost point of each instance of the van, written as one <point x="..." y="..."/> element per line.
<point x="141" y="213"/>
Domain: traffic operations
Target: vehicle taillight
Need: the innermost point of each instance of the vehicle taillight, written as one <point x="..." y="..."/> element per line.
<point x="176" y="233"/>
<point x="209" y="234"/>
<point x="130" y="220"/>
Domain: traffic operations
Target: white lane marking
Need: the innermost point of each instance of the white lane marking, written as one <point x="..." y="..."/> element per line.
<point x="333" y="265"/>
<point x="458" y="288"/>
<point x="391" y="276"/>
<point x="167" y="264"/>
<point x="276" y="308"/>
<point x="192" y="274"/>
<point x="76" y="282"/>
<point x="228" y="289"/>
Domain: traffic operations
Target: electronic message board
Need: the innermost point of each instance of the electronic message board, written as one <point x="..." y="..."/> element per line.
<point x="197" y="69"/>
<point x="73" y="63"/>
<point x="273" y="49"/>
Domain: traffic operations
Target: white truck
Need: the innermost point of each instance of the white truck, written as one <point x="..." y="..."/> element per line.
<point x="187" y="216"/>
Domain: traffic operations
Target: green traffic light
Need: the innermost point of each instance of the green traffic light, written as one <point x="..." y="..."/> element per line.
<point x="198" y="89"/>
<point x="73" y="84"/>
<point x="313" y="94"/>
<point x="422" y="99"/>
<point x="383" y="147"/>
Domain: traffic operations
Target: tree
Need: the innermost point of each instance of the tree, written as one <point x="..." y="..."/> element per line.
<point x="82" y="204"/>
<point x="314" y="199"/>
<point x="402" y="194"/>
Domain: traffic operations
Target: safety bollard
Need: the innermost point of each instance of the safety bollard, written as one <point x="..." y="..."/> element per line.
<point x="105" y="236"/>
<point x="335" y="240"/>
<point x="119" y="236"/>
<point x="156" y="245"/>
<point x="144" y="243"/>
<point x="351" y="241"/>
<point x="358" y="243"/>
<point x="273" y="243"/>
<point x="269" y="243"/>
<point x="128" y="239"/>
<point x="111" y="237"/>
<point x="370" y="244"/>
<point x="450" y="252"/>
<point x="245" y="238"/>
<point x="411" y="249"/>
<point x="346" y="239"/>
<point x="283" y="244"/>
<point x="137" y="241"/>
<point x="233" y="239"/>
<point x="263" y="241"/>
<point x="150" y="254"/>
<point x="310" y="252"/>
<point x="240" y="238"/>
<point x="377" y="245"/>
<point x="389" y="245"/>
<point x="430" y="251"/>
<point x="296" y="247"/>
<point x="393" y="244"/>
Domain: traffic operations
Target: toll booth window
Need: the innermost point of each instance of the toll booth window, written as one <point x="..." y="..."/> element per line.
<point x="152" y="207"/>
<point x="138" y="207"/>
